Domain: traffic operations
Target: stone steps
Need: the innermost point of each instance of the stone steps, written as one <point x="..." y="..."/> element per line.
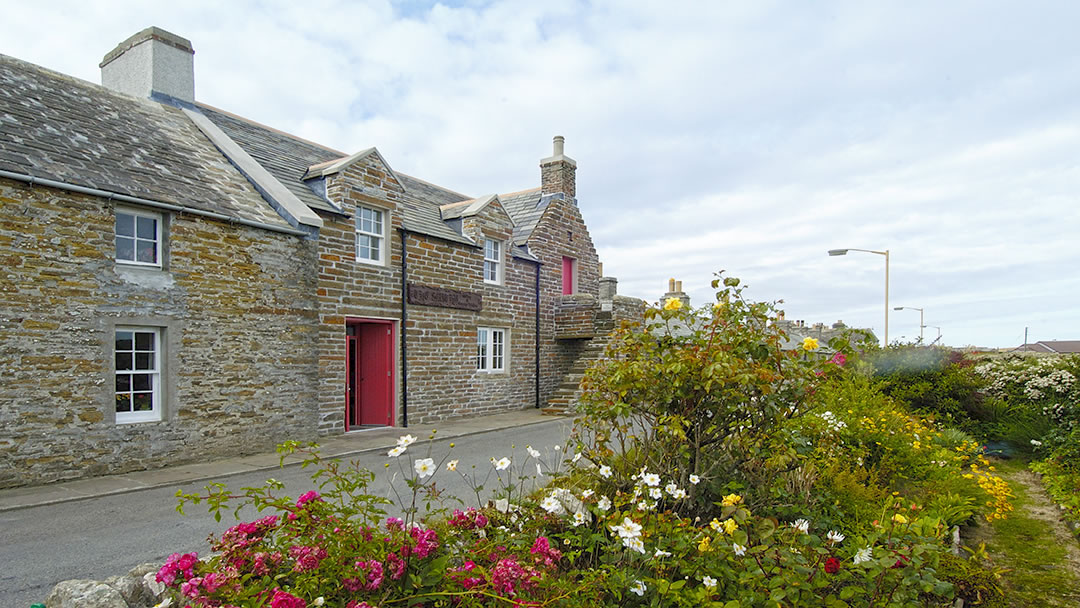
<point x="564" y="401"/>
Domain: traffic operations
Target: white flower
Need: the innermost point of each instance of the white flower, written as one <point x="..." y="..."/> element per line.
<point x="558" y="447"/>
<point x="656" y="493"/>
<point x="709" y="582"/>
<point x="661" y="553"/>
<point x="579" y="518"/>
<point x="424" y="467"/>
<point x="651" y="479"/>
<point x="627" y="529"/>
<point x="738" y="549"/>
<point x="605" y="471"/>
<point x="398" y="451"/>
<point x="576" y="457"/>
<point x="165" y="603"/>
<point x="319" y="601"/>
<point x="405" y="441"/>
<point x="452" y="465"/>
<point x="694" y="479"/>
<point x="539" y="471"/>
<point x="634" y="544"/>
<point x="551" y="505"/>
<point x="679" y="494"/>
<point x="835" y="537"/>
<point x="864" y="555"/>
<point x="638" y="588"/>
<point x="532" y="452"/>
<point x="801" y="525"/>
<point x="603" y="504"/>
<point x="1036" y="442"/>
<point x="501" y="464"/>
<point x="587" y="493"/>
<point x="670" y="488"/>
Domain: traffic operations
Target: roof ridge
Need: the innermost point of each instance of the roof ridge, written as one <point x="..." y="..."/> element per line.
<point x="521" y="191"/>
<point x="269" y="128"/>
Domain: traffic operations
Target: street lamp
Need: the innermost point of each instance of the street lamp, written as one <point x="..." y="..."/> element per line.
<point x="921" y="326"/>
<point x="938" y="338"/>
<point x="885" y="253"/>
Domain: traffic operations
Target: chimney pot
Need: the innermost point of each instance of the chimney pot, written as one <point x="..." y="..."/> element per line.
<point x="559" y="141"/>
<point x="678" y="286"/>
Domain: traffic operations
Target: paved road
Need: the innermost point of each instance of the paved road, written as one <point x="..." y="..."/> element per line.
<point x="101" y="537"/>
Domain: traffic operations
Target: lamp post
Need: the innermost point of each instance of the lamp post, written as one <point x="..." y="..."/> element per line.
<point x="938" y="338"/>
<point x="921" y="326"/>
<point x="885" y="253"/>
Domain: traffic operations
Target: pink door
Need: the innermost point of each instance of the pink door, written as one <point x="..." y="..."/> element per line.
<point x="369" y="374"/>
<point x="567" y="275"/>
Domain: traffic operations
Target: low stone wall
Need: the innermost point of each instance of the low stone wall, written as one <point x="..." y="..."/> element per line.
<point x="136" y="589"/>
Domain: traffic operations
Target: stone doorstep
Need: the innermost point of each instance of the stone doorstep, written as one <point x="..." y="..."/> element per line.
<point x="335" y="447"/>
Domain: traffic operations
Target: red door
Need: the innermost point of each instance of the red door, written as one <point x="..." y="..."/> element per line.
<point x="568" y="275"/>
<point x="369" y="374"/>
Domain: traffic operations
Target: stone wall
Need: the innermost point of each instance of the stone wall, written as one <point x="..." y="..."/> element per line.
<point x="237" y="314"/>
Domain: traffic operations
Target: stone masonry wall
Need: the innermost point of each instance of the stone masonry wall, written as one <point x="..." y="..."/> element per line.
<point x="443" y="381"/>
<point x="236" y="310"/>
<point x="560" y="232"/>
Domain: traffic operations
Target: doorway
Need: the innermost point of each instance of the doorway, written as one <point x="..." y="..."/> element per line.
<point x="369" y="373"/>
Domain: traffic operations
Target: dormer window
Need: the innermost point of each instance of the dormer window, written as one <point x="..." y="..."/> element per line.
<point x="370" y="235"/>
<point x="492" y="261"/>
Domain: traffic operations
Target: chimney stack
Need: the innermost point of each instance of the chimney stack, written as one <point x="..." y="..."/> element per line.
<point x="675" y="291"/>
<point x="152" y="61"/>
<point x="558" y="172"/>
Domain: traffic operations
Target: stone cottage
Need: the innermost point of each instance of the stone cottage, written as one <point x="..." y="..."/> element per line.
<point x="181" y="283"/>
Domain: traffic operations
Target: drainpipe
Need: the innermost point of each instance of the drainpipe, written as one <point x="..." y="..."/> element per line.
<point x="404" y="321"/>
<point x="537" y="337"/>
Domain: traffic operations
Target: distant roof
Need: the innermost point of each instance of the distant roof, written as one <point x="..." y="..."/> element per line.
<point x="69" y="130"/>
<point x="1052" y="346"/>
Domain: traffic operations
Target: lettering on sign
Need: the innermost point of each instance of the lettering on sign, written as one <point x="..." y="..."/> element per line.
<point x="444" y="298"/>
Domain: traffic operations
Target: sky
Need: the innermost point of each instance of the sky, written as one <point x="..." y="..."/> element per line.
<point x="744" y="137"/>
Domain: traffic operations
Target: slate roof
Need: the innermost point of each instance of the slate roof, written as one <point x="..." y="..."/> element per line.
<point x="525" y="208"/>
<point x="288" y="159"/>
<point x="57" y="127"/>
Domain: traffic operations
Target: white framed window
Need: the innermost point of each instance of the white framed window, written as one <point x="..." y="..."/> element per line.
<point x="370" y="235"/>
<point x="490" y="349"/>
<point x="493" y="261"/>
<point x="138" y="238"/>
<point x="138" y="374"/>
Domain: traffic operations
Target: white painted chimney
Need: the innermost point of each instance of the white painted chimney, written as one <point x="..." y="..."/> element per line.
<point x="152" y="61"/>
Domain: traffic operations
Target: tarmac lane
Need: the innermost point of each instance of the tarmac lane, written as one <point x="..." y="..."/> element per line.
<point x="103" y="536"/>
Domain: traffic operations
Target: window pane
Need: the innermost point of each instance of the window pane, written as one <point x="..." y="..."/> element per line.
<point x="374" y="249"/>
<point x="376" y="221"/>
<point x="123" y="403"/>
<point x="125" y="224"/>
<point x="142" y="382"/>
<point x="147" y="228"/>
<point x="143" y="402"/>
<point x="144" y="341"/>
<point x="481" y="349"/>
<point x="147" y="251"/>
<point x="144" y="360"/>
<point x="123" y="361"/>
<point x="123" y="340"/>
<point x="125" y="248"/>
<point x="123" y="383"/>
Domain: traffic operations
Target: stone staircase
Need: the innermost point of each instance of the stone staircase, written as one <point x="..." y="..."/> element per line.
<point x="564" y="401"/>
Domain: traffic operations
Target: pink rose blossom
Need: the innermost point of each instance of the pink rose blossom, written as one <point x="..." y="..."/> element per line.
<point x="282" y="599"/>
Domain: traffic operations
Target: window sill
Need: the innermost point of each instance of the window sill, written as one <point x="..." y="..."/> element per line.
<point x="146" y="276"/>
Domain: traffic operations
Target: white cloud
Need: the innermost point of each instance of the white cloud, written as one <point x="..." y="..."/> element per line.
<point x="749" y="137"/>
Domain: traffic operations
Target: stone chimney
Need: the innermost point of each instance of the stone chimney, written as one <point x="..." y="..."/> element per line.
<point x="152" y="61"/>
<point x="675" y="291"/>
<point x="558" y="172"/>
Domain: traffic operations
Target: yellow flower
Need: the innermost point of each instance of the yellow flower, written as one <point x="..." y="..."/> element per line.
<point x="703" y="546"/>
<point x="715" y="524"/>
<point x="673" y="304"/>
<point x="809" y="344"/>
<point x="900" y="519"/>
<point x="731" y="500"/>
<point x="730" y="526"/>
<point x="717" y="307"/>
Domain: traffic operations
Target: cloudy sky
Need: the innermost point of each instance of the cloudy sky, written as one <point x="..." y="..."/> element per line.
<point x="749" y="137"/>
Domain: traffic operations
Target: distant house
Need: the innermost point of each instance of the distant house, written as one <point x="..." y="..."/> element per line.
<point x="1060" y="347"/>
<point x="181" y="282"/>
<point x="797" y="331"/>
